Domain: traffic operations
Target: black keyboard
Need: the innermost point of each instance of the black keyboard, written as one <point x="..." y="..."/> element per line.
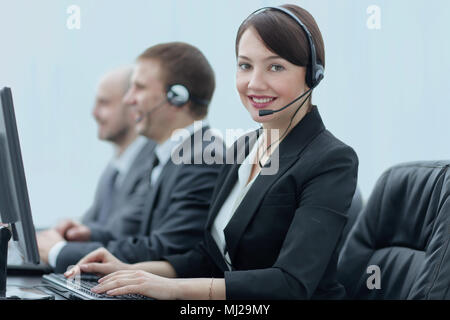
<point x="80" y="288"/>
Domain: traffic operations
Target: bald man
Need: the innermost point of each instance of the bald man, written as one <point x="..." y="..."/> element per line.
<point x="123" y="186"/>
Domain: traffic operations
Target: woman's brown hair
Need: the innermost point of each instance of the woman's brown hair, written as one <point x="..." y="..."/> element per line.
<point x="284" y="36"/>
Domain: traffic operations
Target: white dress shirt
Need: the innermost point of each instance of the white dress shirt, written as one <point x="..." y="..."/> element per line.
<point x="233" y="201"/>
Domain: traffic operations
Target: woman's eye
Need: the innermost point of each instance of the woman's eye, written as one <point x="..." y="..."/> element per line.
<point x="276" y="67"/>
<point x="244" y="66"/>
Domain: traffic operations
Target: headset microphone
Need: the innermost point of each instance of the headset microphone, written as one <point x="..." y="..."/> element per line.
<point x="263" y="113"/>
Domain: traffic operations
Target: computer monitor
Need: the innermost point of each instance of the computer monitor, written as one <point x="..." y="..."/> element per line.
<point x="15" y="210"/>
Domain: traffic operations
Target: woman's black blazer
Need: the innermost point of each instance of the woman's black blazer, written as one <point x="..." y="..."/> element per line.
<point x="282" y="239"/>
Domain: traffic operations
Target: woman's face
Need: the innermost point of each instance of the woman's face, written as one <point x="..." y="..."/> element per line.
<point x="264" y="80"/>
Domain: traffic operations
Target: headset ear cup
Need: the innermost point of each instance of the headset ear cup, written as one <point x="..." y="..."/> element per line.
<point x="177" y="95"/>
<point x="318" y="74"/>
<point x="314" y="75"/>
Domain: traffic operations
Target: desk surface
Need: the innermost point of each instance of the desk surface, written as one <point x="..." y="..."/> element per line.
<point x="30" y="282"/>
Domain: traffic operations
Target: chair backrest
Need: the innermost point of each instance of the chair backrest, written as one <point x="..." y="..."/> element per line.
<point x="399" y="245"/>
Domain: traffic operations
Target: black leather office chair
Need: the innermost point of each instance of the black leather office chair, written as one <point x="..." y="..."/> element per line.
<point x="404" y="230"/>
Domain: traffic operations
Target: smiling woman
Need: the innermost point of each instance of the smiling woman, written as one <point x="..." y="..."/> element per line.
<point x="268" y="236"/>
<point x="261" y="81"/>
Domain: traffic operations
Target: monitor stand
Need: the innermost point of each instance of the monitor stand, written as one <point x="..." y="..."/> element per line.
<point x="14" y="293"/>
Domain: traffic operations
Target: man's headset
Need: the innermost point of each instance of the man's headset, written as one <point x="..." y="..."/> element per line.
<point x="177" y="95"/>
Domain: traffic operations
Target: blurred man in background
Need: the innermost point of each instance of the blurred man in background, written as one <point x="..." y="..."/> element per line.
<point x="124" y="184"/>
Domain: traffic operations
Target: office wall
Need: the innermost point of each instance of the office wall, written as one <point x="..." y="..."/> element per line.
<point x="385" y="91"/>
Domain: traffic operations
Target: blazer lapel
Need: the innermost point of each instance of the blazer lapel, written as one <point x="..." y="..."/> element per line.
<point x="153" y="196"/>
<point x="141" y="167"/>
<point x="99" y="194"/>
<point x="250" y="204"/>
<point x="289" y="151"/>
<point x="150" y="204"/>
<point x="231" y="177"/>
<point x="227" y="185"/>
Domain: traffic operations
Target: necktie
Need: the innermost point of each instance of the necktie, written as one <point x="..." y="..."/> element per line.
<point x="108" y="195"/>
<point x="154" y="173"/>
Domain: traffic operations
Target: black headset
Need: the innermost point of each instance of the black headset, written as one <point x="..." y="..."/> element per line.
<point x="178" y="95"/>
<point x="315" y="71"/>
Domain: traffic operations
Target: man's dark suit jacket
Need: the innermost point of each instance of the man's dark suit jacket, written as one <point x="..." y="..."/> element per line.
<point x="174" y="214"/>
<point x="126" y="210"/>
<point x="283" y="237"/>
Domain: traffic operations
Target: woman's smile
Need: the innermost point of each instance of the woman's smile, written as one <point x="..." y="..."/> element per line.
<point x="260" y="102"/>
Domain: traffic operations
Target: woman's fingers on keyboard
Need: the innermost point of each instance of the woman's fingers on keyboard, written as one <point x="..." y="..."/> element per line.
<point x="72" y="271"/>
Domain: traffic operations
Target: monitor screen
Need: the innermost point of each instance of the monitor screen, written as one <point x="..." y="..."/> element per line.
<point x="15" y="205"/>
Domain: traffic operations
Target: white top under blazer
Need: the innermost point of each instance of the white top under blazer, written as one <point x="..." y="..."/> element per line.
<point x="233" y="201"/>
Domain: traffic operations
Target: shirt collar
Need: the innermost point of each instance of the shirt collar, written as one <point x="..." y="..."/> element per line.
<point x="124" y="161"/>
<point x="245" y="168"/>
<point x="165" y="149"/>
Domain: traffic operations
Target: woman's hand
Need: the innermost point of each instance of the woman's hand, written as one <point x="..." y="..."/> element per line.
<point x="137" y="282"/>
<point x="100" y="261"/>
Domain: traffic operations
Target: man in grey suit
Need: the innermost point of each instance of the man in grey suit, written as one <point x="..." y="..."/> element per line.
<point x="123" y="186"/>
<point x="172" y="85"/>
